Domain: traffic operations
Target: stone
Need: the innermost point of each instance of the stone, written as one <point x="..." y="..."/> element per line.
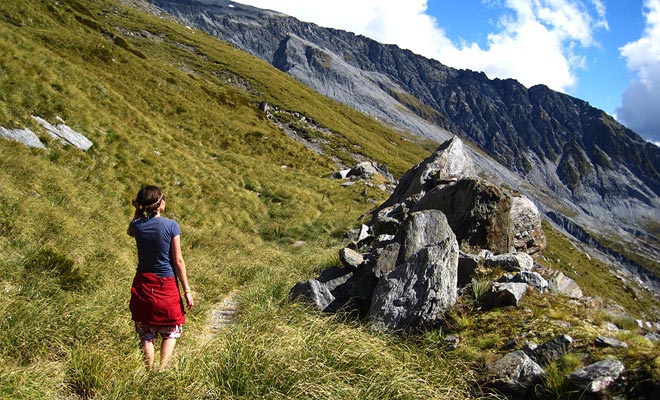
<point x="386" y="259"/>
<point x="653" y="337"/>
<point x="423" y="284"/>
<point x="516" y="372"/>
<point x="313" y="291"/>
<point x="532" y="279"/>
<point x="477" y="211"/>
<point x="560" y="283"/>
<point x="511" y="262"/>
<point x="25" y="136"/>
<point x="552" y="350"/>
<point x="504" y="294"/>
<point x="597" y="377"/>
<point x="449" y="160"/>
<point x="467" y="266"/>
<point x="525" y="219"/>
<point x="350" y="258"/>
<point x="604" y="341"/>
<point x="65" y="134"/>
<point x="363" y="170"/>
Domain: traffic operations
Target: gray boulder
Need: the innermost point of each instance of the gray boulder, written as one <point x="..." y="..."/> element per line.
<point x="448" y="161"/>
<point x="423" y="284"/>
<point x="65" y="134"/>
<point x="514" y="373"/>
<point x="504" y="294"/>
<point x="368" y="170"/>
<point x="597" y="377"/>
<point x="477" y="211"/>
<point x="385" y="259"/>
<point x="510" y="262"/>
<point x="560" y="283"/>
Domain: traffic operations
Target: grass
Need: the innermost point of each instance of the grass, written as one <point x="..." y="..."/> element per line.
<point x="179" y="109"/>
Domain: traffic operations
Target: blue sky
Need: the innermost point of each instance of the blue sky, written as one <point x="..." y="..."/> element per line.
<point x="606" y="52"/>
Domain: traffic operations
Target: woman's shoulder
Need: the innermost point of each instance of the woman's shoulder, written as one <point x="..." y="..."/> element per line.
<point x="170" y="224"/>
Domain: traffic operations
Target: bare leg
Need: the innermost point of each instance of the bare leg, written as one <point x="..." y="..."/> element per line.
<point x="166" y="350"/>
<point x="148" y="350"/>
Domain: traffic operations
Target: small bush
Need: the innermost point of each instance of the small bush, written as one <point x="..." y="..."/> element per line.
<point x="480" y="288"/>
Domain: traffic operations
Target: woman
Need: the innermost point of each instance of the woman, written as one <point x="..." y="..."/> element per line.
<point x="156" y="305"/>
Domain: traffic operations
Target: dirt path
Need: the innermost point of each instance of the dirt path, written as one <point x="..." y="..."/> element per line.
<point x="220" y="316"/>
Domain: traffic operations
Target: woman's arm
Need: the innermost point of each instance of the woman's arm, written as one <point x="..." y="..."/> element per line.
<point x="180" y="269"/>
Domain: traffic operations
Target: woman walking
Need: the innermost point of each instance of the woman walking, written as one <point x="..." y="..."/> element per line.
<point x="156" y="306"/>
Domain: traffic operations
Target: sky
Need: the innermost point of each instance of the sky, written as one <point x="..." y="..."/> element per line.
<point x="606" y="52"/>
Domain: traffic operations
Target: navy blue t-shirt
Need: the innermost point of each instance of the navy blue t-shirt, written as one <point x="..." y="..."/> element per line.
<point x="154" y="241"/>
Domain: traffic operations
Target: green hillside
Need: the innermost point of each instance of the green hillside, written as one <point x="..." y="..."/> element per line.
<point x="167" y="105"/>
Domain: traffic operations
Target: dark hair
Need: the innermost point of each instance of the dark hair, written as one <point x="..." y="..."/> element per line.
<point x="148" y="200"/>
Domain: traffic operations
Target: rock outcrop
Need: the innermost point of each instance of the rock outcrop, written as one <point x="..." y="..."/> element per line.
<point x="401" y="270"/>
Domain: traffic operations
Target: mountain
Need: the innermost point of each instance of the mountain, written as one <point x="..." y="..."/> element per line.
<point x="588" y="172"/>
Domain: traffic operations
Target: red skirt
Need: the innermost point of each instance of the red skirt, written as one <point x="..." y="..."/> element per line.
<point x="156" y="300"/>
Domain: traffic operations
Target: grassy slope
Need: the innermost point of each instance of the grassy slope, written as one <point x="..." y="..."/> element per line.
<point x="180" y="110"/>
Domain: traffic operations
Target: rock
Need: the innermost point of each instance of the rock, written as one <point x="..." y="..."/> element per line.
<point x="386" y="259"/>
<point x="313" y="291"/>
<point x="505" y="294"/>
<point x="423" y="284"/>
<point x="653" y="337"/>
<point x="452" y="341"/>
<point x="350" y="258"/>
<point x="25" y="136"/>
<point x="65" y="134"/>
<point x="525" y="219"/>
<point x="511" y="262"/>
<point x="604" y="341"/>
<point x="467" y="266"/>
<point x="477" y="211"/>
<point x="388" y="220"/>
<point x="560" y="283"/>
<point x="533" y="279"/>
<point x="363" y="170"/>
<point x="552" y="350"/>
<point x="597" y="377"/>
<point x="448" y="161"/>
<point x="515" y="373"/>
<point x="342" y="174"/>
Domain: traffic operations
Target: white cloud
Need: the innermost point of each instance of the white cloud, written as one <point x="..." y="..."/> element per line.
<point x="536" y="41"/>
<point x="639" y="104"/>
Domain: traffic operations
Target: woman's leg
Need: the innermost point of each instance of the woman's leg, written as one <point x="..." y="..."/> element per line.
<point x="148" y="350"/>
<point x="166" y="350"/>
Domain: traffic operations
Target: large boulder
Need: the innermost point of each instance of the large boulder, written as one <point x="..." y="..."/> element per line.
<point x="448" y="162"/>
<point x="423" y="284"/>
<point x="477" y="211"/>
